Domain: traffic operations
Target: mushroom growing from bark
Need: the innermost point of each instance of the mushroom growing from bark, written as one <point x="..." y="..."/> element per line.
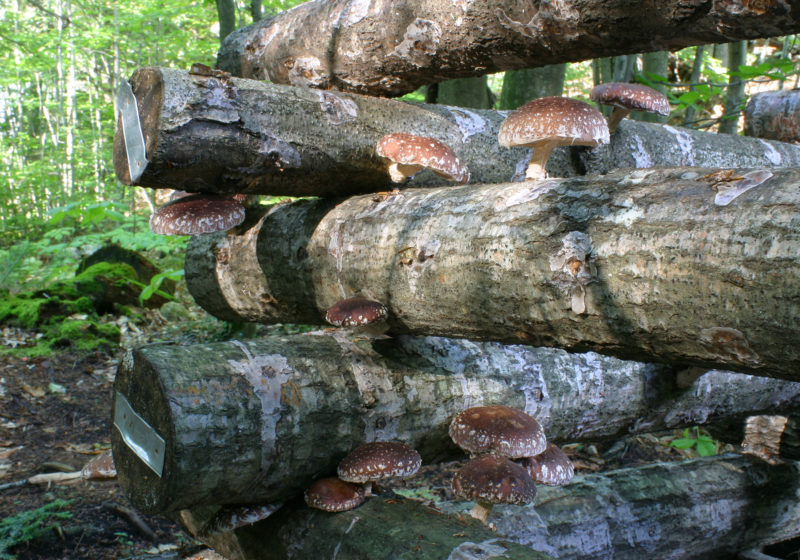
<point x="408" y="154"/>
<point x="232" y="517"/>
<point x="489" y="480"/>
<point x="548" y="122"/>
<point x="377" y="460"/>
<point x="197" y="213"/>
<point x="626" y="97"/>
<point x="334" y="495"/>
<point x="498" y="429"/>
<point x="551" y="467"/>
<point x="361" y="314"/>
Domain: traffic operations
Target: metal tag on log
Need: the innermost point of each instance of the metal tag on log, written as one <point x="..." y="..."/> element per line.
<point x="128" y="109"/>
<point x="138" y="435"/>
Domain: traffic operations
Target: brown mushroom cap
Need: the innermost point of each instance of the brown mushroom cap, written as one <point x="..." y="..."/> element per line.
<point x="100" y="468"/>
<point x="197" y="213"/>
<point x="635" y="97"/>
<point x="494" y="480"/>
<point x="548" y="122"/>
<point x="498" y="429"/>
<point x="332" y="494"/>
<point x="551" y="467"/>
<point x="410" y="153"/>
<point x="379" y="459"/>
<point x="355" y="312"/>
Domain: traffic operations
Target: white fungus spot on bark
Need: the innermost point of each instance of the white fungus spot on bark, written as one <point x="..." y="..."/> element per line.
<point x="477" y="551"/>
<point x="773" y="155"/>
<point x="420" y="42"/>
<point x="468" y="122"/>
<point x="727" y="192"/>
<point x="307" y="71"/>
<point x="337" y="109"/>
<point x="685" y="144"/>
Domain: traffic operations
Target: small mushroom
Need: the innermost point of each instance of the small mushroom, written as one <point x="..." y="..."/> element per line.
<point x="197" y="213"/>
<point x="230" y="518"/>
<point x="548" y="122"/>
<point x="489" y="480"/>
<point x="377" y="460"/>
<point x="408" y="154"/>
<point x="362" y="315"/>
<point x="626" y="97"/>
<point x="334" y="495"/>
<point x="551" y="467"/>
<point x="100" y="468"/>
<point x="498" y="429"/>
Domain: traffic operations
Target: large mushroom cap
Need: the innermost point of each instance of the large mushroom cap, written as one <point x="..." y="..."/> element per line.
<point x="493" y="480"/>
<point x="332" y="494"/>
<point x="355" y="312"/>
<point x="554" y="119"/>
<point x="635" y="97"/>
<point x="551" y="467"/>
<point x="498" y="429"/>
<point x="410" y="153"/>
<point x="379" y="459"/>
<point x="197" y="213"/>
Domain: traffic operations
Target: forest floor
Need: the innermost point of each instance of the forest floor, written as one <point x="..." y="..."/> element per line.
<point x="55" y="415"/>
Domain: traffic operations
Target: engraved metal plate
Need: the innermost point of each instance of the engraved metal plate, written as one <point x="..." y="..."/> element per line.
<point x="131" y="130"/>
<point x="138" y="435"/>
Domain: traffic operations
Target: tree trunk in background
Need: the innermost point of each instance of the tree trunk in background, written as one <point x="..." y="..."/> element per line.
<point x="624" y="67"/>
<point x="521" y="86"/>
<point x="734" y="95"/>
<point x="226" y="11"/>
<point x="271" y="139"/>
<point x="654" y="63"/>
<point x="255" y="10"/>
<point x="694" y="78"/>
<point x="388" y="48"/>
<point x="708" y="508"/>
<point x="465" y="92"/>
<point x="258" y="420"/>
<point x="653" y="268"/>
<point x="774" y="114"/>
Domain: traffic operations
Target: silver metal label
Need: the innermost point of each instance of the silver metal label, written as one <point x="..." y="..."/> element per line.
<point x="131" y="130"/>
<point x="138" y="435"/>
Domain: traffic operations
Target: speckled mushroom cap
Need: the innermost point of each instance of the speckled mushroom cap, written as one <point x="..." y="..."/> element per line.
<point x="636" y="97"/>
<point x="332" y="494"/>
<point x="355" y="312"/>
<point x="494" y="480"/>
<point x="197" y="213"/>
<point x="498" y="429"/>
<point x="417" y="152"/>
<point x="100" y="468"/>
<point x="379" y="459"/>
<point x="554" y="119"/>
<point x="551" y="467"/>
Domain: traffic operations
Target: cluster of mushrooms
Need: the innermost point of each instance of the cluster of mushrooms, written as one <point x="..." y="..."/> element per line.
<point x="509" y="456"/>
<point x="542" y="124"/>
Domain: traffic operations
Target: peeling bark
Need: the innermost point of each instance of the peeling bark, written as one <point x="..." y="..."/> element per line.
<point x="708" y="508"/>
<point x="259" y="420"/>
<point x="774" y="114"/>
<point x="692" y="266"/>
<point x="381" y="48"/>
<point x="209" y="134"/>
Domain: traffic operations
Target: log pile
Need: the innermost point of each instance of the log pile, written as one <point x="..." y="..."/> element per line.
<point x="666" y="245"/>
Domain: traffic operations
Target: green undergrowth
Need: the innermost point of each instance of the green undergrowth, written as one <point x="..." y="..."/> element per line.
<point x="30" y="525"/>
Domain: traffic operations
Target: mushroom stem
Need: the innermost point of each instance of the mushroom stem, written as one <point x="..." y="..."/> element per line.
<point x="368" y="488"/>
<point x="399" y="172"/>
<point x="536" y="167"/>
<point x="617" y="115"/>
<point x="481" y="511"/>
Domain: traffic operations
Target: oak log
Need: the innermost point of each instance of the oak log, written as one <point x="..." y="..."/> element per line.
<point x="681" y="265"/>
<point x="708" y="508"/>
<point x="774" y="115"/>
<point x="205" y="133"/>
<point x="388" y="48"/>
<point x="258" y="420"/>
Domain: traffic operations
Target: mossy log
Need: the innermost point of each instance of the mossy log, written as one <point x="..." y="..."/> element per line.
<point x="259" y="420"/>
<point x="774" y="115"/>
<point x="708" y="508"/>
<point x="685" y="265"/>
<point x="388" y="48"/>
<point x="205" y="133"/>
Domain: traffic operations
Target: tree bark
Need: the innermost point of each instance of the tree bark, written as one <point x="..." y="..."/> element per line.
<point x="705" y="508"/>
<point x="673" y="265"/>
<point x="211" y="134"/>
<point x="774" y="114"/>
<point x="208" y="134"/>
<point x="379" y="48"/>
<point x="734" y="93"/>
<point x="259" y="420"/>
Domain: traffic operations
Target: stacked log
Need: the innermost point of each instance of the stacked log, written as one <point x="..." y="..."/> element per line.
<point x="774" y="115"/>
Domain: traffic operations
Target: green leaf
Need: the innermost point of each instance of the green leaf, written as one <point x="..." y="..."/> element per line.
<point x="683" y="443"/>
<point x="706" y="448"/>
